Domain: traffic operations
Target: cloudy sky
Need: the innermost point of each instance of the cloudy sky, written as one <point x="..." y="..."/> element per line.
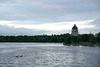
<point x="36" y="17"/>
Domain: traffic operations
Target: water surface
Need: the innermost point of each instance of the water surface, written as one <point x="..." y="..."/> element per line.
<point x="48" y="55"/>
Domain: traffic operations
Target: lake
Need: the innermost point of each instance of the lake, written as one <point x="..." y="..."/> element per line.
<point x="48" y="55"/>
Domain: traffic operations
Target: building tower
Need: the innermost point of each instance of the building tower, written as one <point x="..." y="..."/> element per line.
<point x="74" y="30"/>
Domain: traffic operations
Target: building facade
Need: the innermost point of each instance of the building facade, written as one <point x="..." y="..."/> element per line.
<point x="75" y="30"/>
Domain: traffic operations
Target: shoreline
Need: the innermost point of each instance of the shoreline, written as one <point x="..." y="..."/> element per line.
<point x="31" y="42"/>
<point x="82" y="44"/>
<point x="78" y="44"/>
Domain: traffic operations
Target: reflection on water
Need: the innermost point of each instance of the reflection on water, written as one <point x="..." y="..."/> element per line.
<point x="49" y="55"/>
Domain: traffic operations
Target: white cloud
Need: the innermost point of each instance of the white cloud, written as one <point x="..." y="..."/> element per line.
<point x="50" y="26"/>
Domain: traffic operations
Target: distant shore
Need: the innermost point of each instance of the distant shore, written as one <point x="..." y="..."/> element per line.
<point x="66" y="39"/>
<point x="83" y="44"/>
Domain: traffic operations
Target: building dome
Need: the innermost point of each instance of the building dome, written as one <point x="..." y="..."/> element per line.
<point x="74" y="30"/>
<point x="75" y="27"/>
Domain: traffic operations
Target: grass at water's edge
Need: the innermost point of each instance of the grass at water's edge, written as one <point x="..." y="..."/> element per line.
<point x="82" y="44"/>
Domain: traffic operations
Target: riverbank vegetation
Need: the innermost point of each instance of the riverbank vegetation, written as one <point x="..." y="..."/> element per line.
<point x="67" y="39"/>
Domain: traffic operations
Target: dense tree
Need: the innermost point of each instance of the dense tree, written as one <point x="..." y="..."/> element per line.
<point x="63" y="38"/>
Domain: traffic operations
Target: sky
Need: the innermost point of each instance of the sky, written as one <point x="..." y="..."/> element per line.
<point x="37" y="17"/>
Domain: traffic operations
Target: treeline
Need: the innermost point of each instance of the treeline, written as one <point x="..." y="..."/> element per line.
<point x="63" y="38"/>
<point x="83" y="39"/>
<point x="36" y="38"/>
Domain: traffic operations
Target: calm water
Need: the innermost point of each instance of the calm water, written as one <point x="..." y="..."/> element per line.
<point x="48" y="55"/>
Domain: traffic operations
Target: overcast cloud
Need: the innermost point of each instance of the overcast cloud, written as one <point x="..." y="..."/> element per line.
<point x="48" y="16"/>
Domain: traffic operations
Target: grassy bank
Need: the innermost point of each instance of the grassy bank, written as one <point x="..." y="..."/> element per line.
<point x="83" y="44"/>
<point x="67" y="39"/>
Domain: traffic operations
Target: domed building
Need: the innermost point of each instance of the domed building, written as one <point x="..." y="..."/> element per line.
<point x="74" y="30"/>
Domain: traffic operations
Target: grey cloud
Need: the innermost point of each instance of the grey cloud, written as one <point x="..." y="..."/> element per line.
<point x="89" y="30"/>
<point x="80" y="17"/>
<point x="96" y="23"/>
<point x="95" y="29"/>
<point x="52" y="10"/>
<point x="6" y="30"/>
<point x="7" y="1"/>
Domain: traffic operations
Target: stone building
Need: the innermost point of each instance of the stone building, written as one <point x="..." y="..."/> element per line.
<point x="74" y="30"/>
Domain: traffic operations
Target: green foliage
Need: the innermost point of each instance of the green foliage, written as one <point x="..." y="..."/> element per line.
<point x="36" y="38"/>
<point x="67" y="39"/>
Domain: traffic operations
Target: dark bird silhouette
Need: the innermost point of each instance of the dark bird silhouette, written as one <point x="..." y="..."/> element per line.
<point x="19" y="56"/>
